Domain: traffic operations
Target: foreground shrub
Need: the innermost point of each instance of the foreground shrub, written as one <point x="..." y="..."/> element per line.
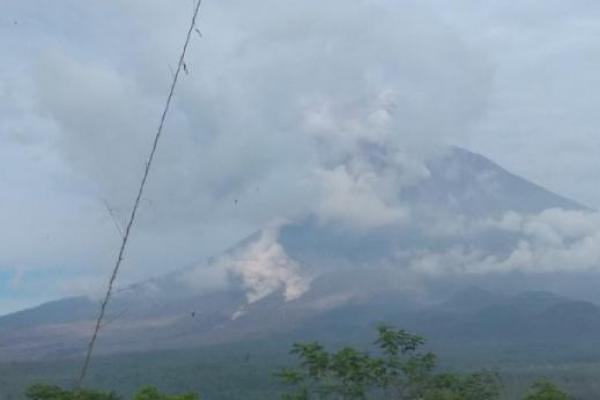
<point x="398" y="371"/>
<point x="51" y="392"/>
<point x="546" y="390"/>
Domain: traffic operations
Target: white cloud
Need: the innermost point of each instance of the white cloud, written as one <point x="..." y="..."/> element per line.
<point x="554" y="240"/>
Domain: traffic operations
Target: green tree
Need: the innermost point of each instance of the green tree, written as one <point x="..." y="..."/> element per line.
<point x="398" y="371"/>
<point x="51" y="392"/>
<point x="545" y="390"/>
<point x="152" y="393"/>
<point x="477" y="386"/>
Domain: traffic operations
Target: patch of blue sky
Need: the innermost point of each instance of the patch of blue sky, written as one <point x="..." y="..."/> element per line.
<point x="33" y="287"/>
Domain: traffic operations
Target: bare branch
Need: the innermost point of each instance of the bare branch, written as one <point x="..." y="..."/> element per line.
<point x="114" y="218"/>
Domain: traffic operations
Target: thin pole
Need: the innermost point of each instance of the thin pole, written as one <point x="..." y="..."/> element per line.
<point x="136" y="204"/>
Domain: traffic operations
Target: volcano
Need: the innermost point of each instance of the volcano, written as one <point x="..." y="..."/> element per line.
<point x="313" y="278"/>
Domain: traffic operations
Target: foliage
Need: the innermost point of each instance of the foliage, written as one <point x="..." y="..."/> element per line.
<point x="152" y="393"/>
<point x="546" y="390"/>
<point x="226" y="372"/>
<point x="477" y="386"/>
<point x="51" y="392"/>
<point x="399" y="371"/>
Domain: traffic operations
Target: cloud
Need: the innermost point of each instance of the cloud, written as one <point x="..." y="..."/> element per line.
<point x="540" y="119"/>
<point x="16" y="279"/>
<point x="290" y="108"/>
<point x="554" y="240"/>
<point x="265" y="95"/>
<point x="287" y="109"/>
<point x="353" y="198"/>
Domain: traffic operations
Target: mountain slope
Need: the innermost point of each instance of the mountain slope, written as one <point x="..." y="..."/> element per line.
<point x="471" y="184"/>
<point x="309" y="276"/>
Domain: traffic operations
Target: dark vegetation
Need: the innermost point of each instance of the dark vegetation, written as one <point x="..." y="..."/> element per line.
<point x="398" y="371"/>
<point x="49" y="392"/>
<point x="398" y="368"/>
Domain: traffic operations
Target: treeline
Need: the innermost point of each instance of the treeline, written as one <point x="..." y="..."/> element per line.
<point x="397" y="369"/>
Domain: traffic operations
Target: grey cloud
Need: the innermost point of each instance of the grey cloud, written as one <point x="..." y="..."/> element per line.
<point x="285" y="112"/>
<point x="281" y="87"/>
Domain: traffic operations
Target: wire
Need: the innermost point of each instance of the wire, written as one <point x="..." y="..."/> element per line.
<point x="114" y="218"/>
<point x="136" y="204"/>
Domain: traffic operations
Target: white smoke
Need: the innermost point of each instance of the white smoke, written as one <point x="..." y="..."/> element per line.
<point x="329" y="119"/>
<point x="363" y="162"/>
<point x="265" y="268"/>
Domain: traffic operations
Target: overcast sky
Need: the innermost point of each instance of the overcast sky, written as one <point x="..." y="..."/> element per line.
<point x="277" y="93"/>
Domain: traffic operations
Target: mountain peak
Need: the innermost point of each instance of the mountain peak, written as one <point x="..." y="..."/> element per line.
<point x="471" y="184"/>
